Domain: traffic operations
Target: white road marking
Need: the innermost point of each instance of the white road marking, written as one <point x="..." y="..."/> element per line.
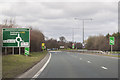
<point x="39" y="72"/>
<point x="104" y="67"/>
<point x="80" y="58"/>
<point x="88" y="61"/>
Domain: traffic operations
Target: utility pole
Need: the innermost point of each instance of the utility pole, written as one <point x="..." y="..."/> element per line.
<point x="73" y="35"/>
<point x="83" y="20"/>
<point x="72" y="38"/>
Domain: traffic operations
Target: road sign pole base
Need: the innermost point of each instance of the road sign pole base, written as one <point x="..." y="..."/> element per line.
<point x="19" y="50"/>
<point x="111" y="49"/>
<point x="5" y="50"/>
<point x="13" y="51"/>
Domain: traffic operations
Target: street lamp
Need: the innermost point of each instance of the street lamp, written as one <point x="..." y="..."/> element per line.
<point x="83" y="20"/>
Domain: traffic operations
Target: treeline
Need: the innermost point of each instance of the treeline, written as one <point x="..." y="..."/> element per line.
<point x="102" y="42"/>
<point x="53" y="43"/>
<point x="36" y="39"/>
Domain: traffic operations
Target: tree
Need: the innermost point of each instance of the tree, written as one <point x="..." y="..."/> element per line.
<point x="102" y="42"/>
<point x="97" y="43"/>
<point x="51" y="43"/>
<point x="36" y="39"/>
<point x="108" y="35"/>
<point x="62" y="39"/>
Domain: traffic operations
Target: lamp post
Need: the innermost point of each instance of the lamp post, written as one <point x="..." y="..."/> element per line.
<point x="83" y="20"/>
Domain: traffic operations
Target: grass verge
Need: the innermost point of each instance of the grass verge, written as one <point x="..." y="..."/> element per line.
<point x="14" y="65"/>
<point x="118" y="56"/>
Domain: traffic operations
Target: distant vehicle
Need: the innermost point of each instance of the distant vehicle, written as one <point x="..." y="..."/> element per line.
<point x="54" y="49"/>
<point x="48" y="49"/>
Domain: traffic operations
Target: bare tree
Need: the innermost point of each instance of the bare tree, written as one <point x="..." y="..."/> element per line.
<point x="62" y="39"/>
<point x="36" y="39"/>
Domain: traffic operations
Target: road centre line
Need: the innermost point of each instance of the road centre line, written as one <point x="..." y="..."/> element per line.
<point x="104" y="67"/>
<point x="89" y="61"/>
<point x="80" y="58"/>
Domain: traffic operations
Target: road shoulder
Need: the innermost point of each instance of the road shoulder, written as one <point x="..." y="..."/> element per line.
<point x="31" y="72"/>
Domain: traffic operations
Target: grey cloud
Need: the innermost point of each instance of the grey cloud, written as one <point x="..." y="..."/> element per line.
<point x="56" y="19"/>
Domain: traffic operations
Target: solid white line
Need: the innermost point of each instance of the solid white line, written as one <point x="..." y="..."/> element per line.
<point x="88" y="61"/>
<point x="80" y="58"/>
<point x="104" y="67"/>
<point x="39" y="72"/>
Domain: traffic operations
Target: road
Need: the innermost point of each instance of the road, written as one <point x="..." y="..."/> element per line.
<point x="77" y="65"/>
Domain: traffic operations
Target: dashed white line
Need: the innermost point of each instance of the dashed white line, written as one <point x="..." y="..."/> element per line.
<point x="104" y="67"/>
<point x="89" y="61"/>
<point x="80" y="58"/>
<point x="39" y="72"/>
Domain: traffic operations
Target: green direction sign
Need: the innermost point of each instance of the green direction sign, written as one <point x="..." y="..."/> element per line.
<point x="111" y="41"/>
<point x="26" y="50"/>
<point x="73" y="46"/>
<point x="16" y="37"/>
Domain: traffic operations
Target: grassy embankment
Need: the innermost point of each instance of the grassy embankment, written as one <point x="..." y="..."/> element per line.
<point x="14" y="65"/>
<point x="111" y="54"/>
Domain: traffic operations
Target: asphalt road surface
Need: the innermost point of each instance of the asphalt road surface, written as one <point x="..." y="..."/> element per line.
<point x="77" y="65"/>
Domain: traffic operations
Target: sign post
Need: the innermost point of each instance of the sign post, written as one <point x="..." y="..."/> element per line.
<point x="19" y="50"/>
<point x="13" y="51"/>
<point x="5" y="50"/>
<point x="83" y="45"/>
<point x="16" y="37"/>
<point x="73" y="46"/>
<point x="111" y="42"/>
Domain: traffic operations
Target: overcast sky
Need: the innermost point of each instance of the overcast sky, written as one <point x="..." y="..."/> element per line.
<point x="56" y="19"/>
